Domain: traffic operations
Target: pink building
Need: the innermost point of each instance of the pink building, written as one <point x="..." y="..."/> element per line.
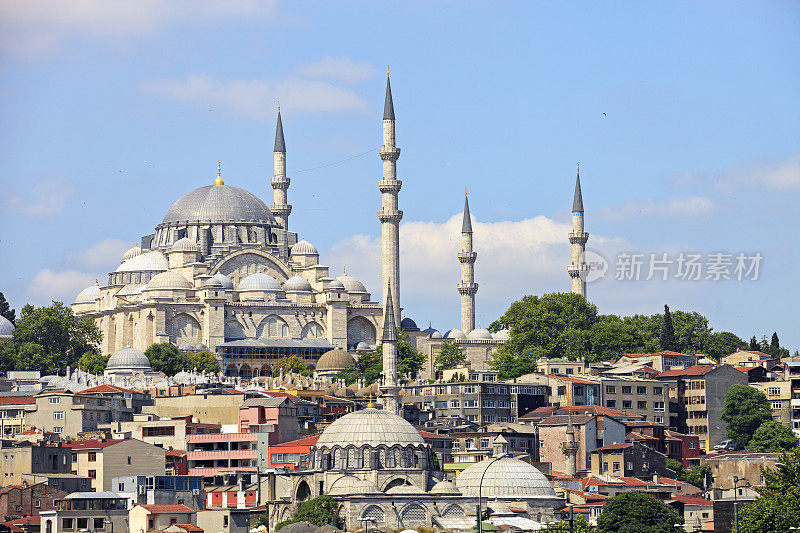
<point x="279" y="413"/>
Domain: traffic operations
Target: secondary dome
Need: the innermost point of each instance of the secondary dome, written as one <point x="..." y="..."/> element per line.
<point x="227" y="284"/>
<point x="304" y="247"/>
<point x="214" y="204"/>
<point x="479" y="334"/>
<point x="408" y="324"/>
<point x="259" y="282"/>
<point x="88" y="295"/>
<point x="370" y="427"/>
<point x="185" y="245"/>
<point x="148" y="262"/>
<point x="334" y="360"/>
<point x="168" y="281"/>
<point x="297" y="284"/>
<point x="455" y="333"/>
<point x="351" y="284"/>
<point x="132" y="252"/>
<point x="336" y="285"/>
<point x="504" y="478"/>
<point x="6" y="328"/>
<point x="128" y="359"/>
<point x="502" y="335"/>
<point x="445" y="487"/>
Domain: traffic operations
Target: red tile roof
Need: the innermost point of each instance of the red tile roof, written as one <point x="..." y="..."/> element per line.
<point x="311" y="440"/>
<point x="105" y="388"/>
<point x="190" y="527"/>
<point x="611" y="447"/>
<point x="17" y="400"/>
<point x="593" y="409"/>
<point x="175" y="453"/>
<point x="587" y="495"/>
<point x="555" y="474"/>
<point x="696" y="370"/>
<point x="169" y="508"/>
<point x="693" y="500"/>
<point x="91" y="444"/>
<point x="17" y="524"/>
<point x="428" y="435"/>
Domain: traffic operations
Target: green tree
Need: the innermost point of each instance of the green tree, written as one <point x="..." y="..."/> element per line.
<point x="165" y="357"/>
<point x="93" y="362"/>
<point x="370" y="366"/>
<point x="5" y="309"/>
<point x="777" y="510"/>
<point x="350" y="375"/>
<point x="50" y="338"/>
<point x="292" y="363"/>
<point x="510" y="365"/>
<point x="409" y="360"/>
<point x="318" y="511"/>
<point x="745" y="410"/>
<point x="611" y="337"/>
<point x="719" y="344"/>
<point x="667" y="339"/>
<point x="637" y="512"/>
<point x="450" y="355"/>
<point x="753" y="343"/>
<point x="772" y="436"/>
<point x="203" y="361"/>
<point x="775" y="344"/>
<point x="697" y="475"/>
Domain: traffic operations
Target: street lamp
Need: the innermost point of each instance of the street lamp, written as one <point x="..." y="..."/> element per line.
<point x="736" y="481"/>
<point x="480" y="486"/>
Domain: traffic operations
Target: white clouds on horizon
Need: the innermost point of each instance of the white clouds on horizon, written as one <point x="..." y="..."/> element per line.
<point x="783" y="176"/>
<point x="103" y="254"/>
<point x="336" y="68"/>
<point x="45" y="198"/>
<point x="62" y="285"/>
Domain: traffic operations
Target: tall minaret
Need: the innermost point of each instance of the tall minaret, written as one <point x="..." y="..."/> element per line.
<point x="279" y="182"/>
<point x="389" y="214"/>
<point x="391" y="399"/>
<point x="577" y="238"/>
<point x="467" y="288"/>
<point x="571" y="447"/>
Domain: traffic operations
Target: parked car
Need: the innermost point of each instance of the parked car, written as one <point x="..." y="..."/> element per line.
<point x="728" y="446"/>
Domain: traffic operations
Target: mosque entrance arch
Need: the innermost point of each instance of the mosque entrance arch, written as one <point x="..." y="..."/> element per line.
<point x="303" y="492"/>
<point x="359" y="329"/>
<point x="183" y="328"/>
<point x="239" y="265"/>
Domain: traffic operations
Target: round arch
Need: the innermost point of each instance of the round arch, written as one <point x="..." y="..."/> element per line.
<point x="245" y="262"/>
<point x="303" y="491"/>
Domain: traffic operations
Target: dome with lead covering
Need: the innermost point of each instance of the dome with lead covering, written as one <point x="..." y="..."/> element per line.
<point x="351" y="284"/>
<point x="6" y="328"/>
<point x="297" y="284"/>
<point x="227" y="284"/>
<point x="259" y="282"/>
<point x="334" y="360"/>
<point x="129" y="359"/>
<point x="88" y="295"/>
<point x="218" y="204"/>
<point x="504" y="478"/>
<point x="336" y="286"/>
<point x="370" y="427"/>
<point x="147" y="262"/>
<point x="408" y="324"/>
<point x="502" y="335"/>
<point x="445" y="487"/>
<point x="455" y="333"/>
<point x="185" y="245"/>
<point x="479" y="334"/>
<point x="131" y="253"/>
<point x="168" y="281"/>
<point x="304" y="247"/>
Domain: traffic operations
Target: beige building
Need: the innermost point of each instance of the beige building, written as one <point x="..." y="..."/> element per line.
<point x="103" y="460"/>
<point x="750" y="359"/>
<point x="167" y="433"/>
<point x="23" y="459"/>
<point x="208" y="408"/>
<point x="560" y="366"/>
<point x="160" y="517"/>
<point x="648" y="398"/>
<point x="779" y="395"/>
<point x="67" y="414"/>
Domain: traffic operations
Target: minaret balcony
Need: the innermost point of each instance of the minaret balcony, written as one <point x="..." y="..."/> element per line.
<point x="578" y="238"/>
<point x="467" y="288"/>
<point x="467" y="257"/>
<point x="390" y="185"/>
<point x="280" y="182"/>
<point x="577" y="271"/>
<point x="389" y="153"/>
<point x="281" y="210"/>
<point x="390" y="216"/>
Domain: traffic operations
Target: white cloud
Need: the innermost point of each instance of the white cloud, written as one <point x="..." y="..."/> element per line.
<point x="257" y="98"/>
<point x="62" y="285"/>
<point x="677" y="207"/>
<point x="100" y="255"/>
<point x="784" y="175"/>
<point x="33" y="28"/>
<point x="336" y="68"/>
<point x="45" y="198"/>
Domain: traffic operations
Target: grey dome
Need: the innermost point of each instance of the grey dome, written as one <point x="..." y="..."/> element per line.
<point x="168" y="281"/>
<point x="504" y="478"/>
<point x="362" y="346"/>
<point x="131" y="289"/>
<point x="436" y="335"/>
<point x="199" y="347"/>
<point x="408" y="324"/>
<point x="479" y="334"/>
<point x="149" y="262"/>
<point x="227" y="284"/>
<point x="213" y="283"/>
<point x="131" y="253"/>
<point x="129" y="359"/>
<point x="371" y="427"/>
<point x="455" y="333"/>
<point x="185" y="245"/>
<point x="88" y="295"/>
<point x="445" y="487"/>
<point x="219" y="204"/>
<point x="334" y="360"/>
<point x="502" y="335"/>
<point x="259" y="282"/>
<point x="304" y="247"/>
<point x="351" y="284"/>
<point x="297" y="284"/>
<point x="6" y="328"/>
<point x="336" y="285"/>
<point x="350" y="484"/>
<point x="185" y="347"/>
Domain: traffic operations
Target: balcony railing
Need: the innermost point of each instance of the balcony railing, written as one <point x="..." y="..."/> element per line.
<point x="222" y="455"/>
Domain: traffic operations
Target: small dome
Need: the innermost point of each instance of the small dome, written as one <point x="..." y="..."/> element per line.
<point x="168" y="281"/>
<point x="385" y="429"/>
<point x="345" y="485"/>
<point x="6" y="328"/>
<point x="131" y="253"/>
<point x="147" y="262"/>
<point x="128" y="359"/>
<point x="505" y="478"/>
<point x="479" y="334"/>
<point x="362" y="347"/>
<point x="351" y="284"/>
<point x="445" y="487"/>
<point x="436" y="335"/>
<point x="213" y="283"/>
<point x="88" y="295"/>
<point x="200" y="347"/>
<point x="297" y="284"/>
<point x="304" y="248"/>
<point x="502" y="335"/>
<point x="408" y="324"/>
<point x="334" y="361"/>
<point x="455" y="333"/>
<point x="131" y="289"/>
<point x="259" y="282"/>
<point x="404" y="489"/>
<point x="336" y="286"/>
<point x="227" y="284"/>
<point x="185" y="245"/>
<point x="185" y="347"/>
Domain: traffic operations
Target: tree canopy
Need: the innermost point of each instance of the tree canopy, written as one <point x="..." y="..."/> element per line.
<point x="745" y="410"/>
<point x="318" y="511"/>
<point x="772" y="436"/>
<point x="667" y="339"/>
<point x="777" y="510"/>
<point x="450" y="355"/>
<point x="93" y="362"/>
<point x="292" y="363"/>
<point x="698" y="475"/>
<point x="369" y="365"/>
<point x="637" y="512"/>
<point x="165" y="357"/>
<point x="5" y="309"/>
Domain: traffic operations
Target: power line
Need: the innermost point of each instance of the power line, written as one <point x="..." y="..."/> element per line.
<point x="370" y="151"/>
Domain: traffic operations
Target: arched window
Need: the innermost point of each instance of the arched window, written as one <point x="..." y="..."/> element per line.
<point x="374" y="514"/>
<point x="413" y="514"/>
<point x="453" y="510"/>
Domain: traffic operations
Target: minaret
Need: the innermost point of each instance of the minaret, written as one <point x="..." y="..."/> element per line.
<point x="467" y="288"/>
<point x="389" y="214"/>
<point x="577" y="238"/>
<point x="391" y="400"/>
<point x="279" y="182"/>
<point x="571" y="448"/>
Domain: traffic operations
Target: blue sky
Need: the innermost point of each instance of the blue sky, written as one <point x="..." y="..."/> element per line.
<point x="683" y="115"/>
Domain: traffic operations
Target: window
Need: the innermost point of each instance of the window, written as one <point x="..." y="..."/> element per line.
<point x="92" y="456"/>
<point x="469" y="444"/>
<point x="502" y="404"/>
<point x="484" y="443"/>
<point x="490" y="389"/>
<point x="605" y="467"/>
<point x="691" y="445"/>
<point x="611" y="389"/>
<point x="645" y="466"/>
<point x="658" y="419"/>
<point x="469" y="389"/>
<point x="129" y="459"/>
<point x="627" y="404"/>
<point x="470" y="403"/>
<point x="55" y="400"/>
<point x="569" y="371"/>
<point x="641" y="405"/>
<point x="641" y="390"/>
<point x="562" y="390"/>
<point x="58" y="415"/>
<point x="488" y="419"/>
<point x="38" y="503"/>
<point x="774" y="391"/>
<point x="629" y="465"/>
<point x="616" y="466"/>
<point x="657" y="390"/>
<point x="99" y="523"/>
<point x="472" y="418"/>
<point x="611" y="403"/>
<point x="92" y="474"/>
<point x="658" y="406"/>
<point x="579" y="390"/>
<point x="626" y="389"/>
<point x="58" y="429"/>
<point x="67" y="523"/>
<point x="776" y="404"/>
<point x="488" y="403"/>
<point x="454" y="404"/>
<point x="83" y="523"/>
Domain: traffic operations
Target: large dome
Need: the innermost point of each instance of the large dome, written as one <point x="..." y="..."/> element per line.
<point x="504" y="478"/>
<point x="129" y="359"/>
<point x="334" y="360"/>
<point x="371" y="427"/>
<point x="219" y="204"/>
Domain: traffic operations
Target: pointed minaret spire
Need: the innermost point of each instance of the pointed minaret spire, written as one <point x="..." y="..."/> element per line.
<point x="391" y="392"/>
<point x="577" y="238"/>
<point x="280" y="183"/>
<point x="467" y="288"/>
<point x="389" y="325"/>
<point x="388" y="105"/>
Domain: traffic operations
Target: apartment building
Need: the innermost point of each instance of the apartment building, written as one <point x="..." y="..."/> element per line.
<point x="103" y="460"/>
<point x="210" y="407"/>
<point x="278" y="416"/>
<point x="646" y="398"/>
<point x="89" y="512"/>
<point x="14" y="406"/>
<point x="591" y="431"/>
<point x="17" y="501"/>
<point x="67" y="414"/>
<point x="697" y="399"/>
<point x="793" y="376"/>
<point x="24" y="458"/>
<point x="168" y="433"/>
<point x="213" y="455"/>
<point x="562" y="366"/>
<point x="661" y="361"/>
<point x="474" y="446"/>
<point x="162" y="490"/>
<point x="779" y="395"/>
<point x="564" y="390"/>
<point x="144" y="517"/>
<point x="750" y="359"/>
<point x="628" y="459"/>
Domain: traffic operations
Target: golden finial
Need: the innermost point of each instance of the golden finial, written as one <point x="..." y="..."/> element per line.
<point x="344" y="271"/>
<point x="579" y="168"/>
<point x="219" y="181"/>
<point x="370" y="405"/>
<point x="279" y="106"/>
<point x="465" y="192"/>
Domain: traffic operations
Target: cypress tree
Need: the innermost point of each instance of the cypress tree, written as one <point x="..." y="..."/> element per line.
<point x="753" y="343"/>
<point x="667" y="340"/>
<point x="775" y="344"/>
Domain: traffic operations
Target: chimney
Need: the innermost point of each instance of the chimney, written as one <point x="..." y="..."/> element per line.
<point x="656" y="478"/>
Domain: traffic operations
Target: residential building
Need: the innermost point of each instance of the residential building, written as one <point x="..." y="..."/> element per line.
<point x="176" y="463"/>
<point x="648" y="398"/>
<point x="168" y="433"/>
<point x="14" y="406"/>
<point x="134" y="399"/>
<point x="221" y="407"/>
<point x="103" y="460"/>
<point x="87" y="512"/>
<point x="628" y="459"/>
<point x="66" y="482"/>
<point x="275" y="416"/>
<point x="779" y="395"/>
<point x="591" y="431"/>
<point x="210" y="455"/>
<point x="242" y="494"/>
<point x="744" y="465"/>
<point x="562" y="366"/>
<point x="793" y="376"/>
<point x="224" y="520"/>
<point x="144" y="517"/>
<point x="564" y="390"/>
<point x="697" y="399"/>
<point x="162" y="490"/>
<point x="442" y="445"/>
<point x="68" y="414"/>
<point x="696" y="511"/>
<point x="17" y="501"/>
<point x="661" y="361"/>
<point x="473" y="447"/>
<point x="750" y="359"/>
<point x="659" y="487"/>
<point x="20" y="459"/>
<point x="289" y="455"/>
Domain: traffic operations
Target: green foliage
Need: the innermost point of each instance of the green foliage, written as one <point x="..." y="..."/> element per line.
<point x="350" y="375"/>
<point x="772" y="436"/>
<point x="696" y="475"/>
<point x="667" y="339"/>
<point x="370" y="366"/>
<point x="719" y="344"/>
<point x="510" y="365"/>
<point x="292" y="363"/>
<point x="5" y="309"/>
<point x="164" y="357"/>
<point x="637" y="512"/>
<point x="93" y="362"/>
<point x="203" y="361"/>
<point x="318" y="511"/>
<point x="754" y="343"/>
<point x="49" y="339"/>
<point x="778" y="508"/>
<point x="409" y="360"/>
<point x="450" y="355"/>
<point x="745" y="410"/>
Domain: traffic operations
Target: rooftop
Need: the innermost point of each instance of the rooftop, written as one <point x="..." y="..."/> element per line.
<point x="696" y="370"/>
<point x="168" y="508"/>
<point x="613" y="447"/>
